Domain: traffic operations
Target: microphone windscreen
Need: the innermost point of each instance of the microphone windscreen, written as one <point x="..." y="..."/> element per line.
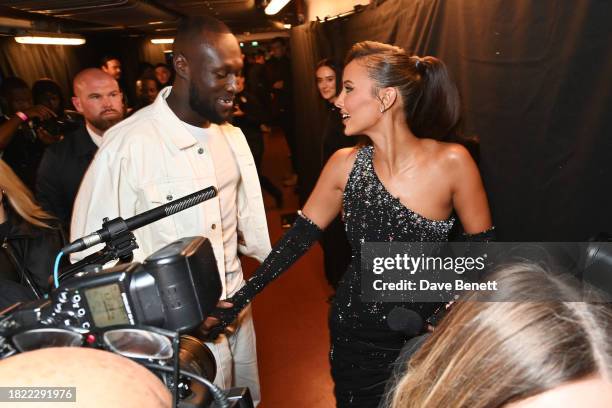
<point x="404" y="320"/>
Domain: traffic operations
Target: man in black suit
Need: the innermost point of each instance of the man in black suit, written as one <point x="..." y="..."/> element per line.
<point x="99" y="99"/>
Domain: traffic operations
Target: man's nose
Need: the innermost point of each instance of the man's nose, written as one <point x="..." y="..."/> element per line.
<point x="107" y="101"/>
<point x="232" y="84"/>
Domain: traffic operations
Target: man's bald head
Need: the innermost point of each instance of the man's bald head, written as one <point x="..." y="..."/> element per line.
<point x="88" y="77"/>
<point x="98" y="98"/>
<point x="101" y="378"/>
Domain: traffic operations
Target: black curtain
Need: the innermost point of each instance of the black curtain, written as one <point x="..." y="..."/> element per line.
<point x="32" y="62"/>
<point x="536" y="85"/>
<point x="62" y="63"/>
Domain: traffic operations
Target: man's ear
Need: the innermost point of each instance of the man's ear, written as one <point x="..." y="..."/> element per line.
<point x="77" y="104"/>
<point x="181" y="66"/>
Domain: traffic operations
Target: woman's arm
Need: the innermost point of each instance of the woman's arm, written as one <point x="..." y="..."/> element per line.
<point x="469" y="198"/>
<point x="322" y="207"/>
<point x="325" y="201"/>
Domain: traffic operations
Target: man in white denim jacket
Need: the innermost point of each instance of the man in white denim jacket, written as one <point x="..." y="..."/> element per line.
<point x="178" y="145"/>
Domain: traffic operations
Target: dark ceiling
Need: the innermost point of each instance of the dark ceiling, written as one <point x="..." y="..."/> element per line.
<point x="146" y="17"/>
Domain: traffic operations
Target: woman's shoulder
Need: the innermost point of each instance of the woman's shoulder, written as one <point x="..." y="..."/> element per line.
<point x="345" y="158"/>
<point x="340" y="165"/>
<point x="447" y="153"/>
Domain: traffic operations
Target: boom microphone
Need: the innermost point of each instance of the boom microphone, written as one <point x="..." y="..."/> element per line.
<point x="116" y="226"/>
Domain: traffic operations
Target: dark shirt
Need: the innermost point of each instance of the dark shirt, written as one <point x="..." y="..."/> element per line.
<point x="249" y="123"/>
<point x="60" y="173"/>
<point x="4" y="230"/>
<point x="279" y="69"/>
<point x="23" y="154"/>
<point x="29" y="251"/>
<point x="257" y="83"/>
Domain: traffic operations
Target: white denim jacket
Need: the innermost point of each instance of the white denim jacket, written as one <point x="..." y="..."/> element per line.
<point x="150" y="159"/>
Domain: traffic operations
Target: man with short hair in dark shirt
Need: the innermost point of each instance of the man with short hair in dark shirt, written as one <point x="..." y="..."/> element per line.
<point x="99" y="99"/>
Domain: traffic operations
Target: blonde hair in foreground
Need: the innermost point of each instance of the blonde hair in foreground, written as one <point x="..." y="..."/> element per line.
<point x="488" y="354"/>
<point x="20" y="198"/>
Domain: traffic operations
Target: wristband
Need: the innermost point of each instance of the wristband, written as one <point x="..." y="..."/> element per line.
<point x="22" y="116"/>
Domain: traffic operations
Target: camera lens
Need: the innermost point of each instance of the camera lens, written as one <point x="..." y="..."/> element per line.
<point x="196" y="357"/>
<point x="138" y="343"/>
<point x="46" y="337"/>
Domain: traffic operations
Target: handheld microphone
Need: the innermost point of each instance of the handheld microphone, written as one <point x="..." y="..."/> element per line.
<point x="118" y="225"/>
<point x="405" y="321"/>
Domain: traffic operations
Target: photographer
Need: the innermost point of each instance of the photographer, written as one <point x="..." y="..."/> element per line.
<point x="21" y="141"/>
<point x="47" y="92"/>
<point x="99" y="99"/>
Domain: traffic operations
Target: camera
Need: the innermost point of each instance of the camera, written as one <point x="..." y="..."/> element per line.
<point x="57" y="126"/>
<point x="141" y="311"/>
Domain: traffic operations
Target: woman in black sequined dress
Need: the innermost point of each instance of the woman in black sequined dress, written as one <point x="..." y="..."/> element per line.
<point x="405" y="186"/>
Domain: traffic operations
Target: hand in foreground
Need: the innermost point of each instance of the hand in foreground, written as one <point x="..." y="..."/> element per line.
<point x="215" y="324"/>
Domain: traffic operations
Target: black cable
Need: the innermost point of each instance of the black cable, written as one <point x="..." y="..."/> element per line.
<point x="218" y="395"/>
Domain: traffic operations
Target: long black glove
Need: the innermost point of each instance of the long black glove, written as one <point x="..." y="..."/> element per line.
<point x="484" y="236"/>
<point x="300" y="237"/>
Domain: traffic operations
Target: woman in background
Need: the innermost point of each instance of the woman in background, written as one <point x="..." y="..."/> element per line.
<point x="336" y="248"/>
<point x="29" y="242"/>
<point x="329" y="83"/>
<point x="532" y="344"/>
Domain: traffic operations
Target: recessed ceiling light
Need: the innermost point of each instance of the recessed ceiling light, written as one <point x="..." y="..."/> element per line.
<point x="275" y="6"/>
<point x="162" y="40"/>
<point x="50" y="39"/>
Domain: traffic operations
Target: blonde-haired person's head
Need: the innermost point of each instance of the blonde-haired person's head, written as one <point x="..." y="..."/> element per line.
<point x="20" y="200"/>
<point x="521" y="343"/>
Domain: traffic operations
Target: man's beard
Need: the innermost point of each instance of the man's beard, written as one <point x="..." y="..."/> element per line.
<point x="204" y="108"/>
<point x="105" y="124"/>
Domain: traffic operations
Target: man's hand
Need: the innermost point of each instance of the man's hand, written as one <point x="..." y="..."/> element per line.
<point x="39" y="111"/>
<point x="278" y="84"/>
<point x="207" y="327"/>
<point x="46" y="137"/>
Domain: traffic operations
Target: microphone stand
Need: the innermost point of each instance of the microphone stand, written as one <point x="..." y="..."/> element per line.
<point x="120" y="246"/>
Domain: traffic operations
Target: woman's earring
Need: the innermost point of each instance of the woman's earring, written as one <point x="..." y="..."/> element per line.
<point x="382" y="108"/>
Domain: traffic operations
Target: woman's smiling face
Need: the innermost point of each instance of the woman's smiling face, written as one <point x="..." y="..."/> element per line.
<point x="358" y="104"/>
<point x="326" y="82"/>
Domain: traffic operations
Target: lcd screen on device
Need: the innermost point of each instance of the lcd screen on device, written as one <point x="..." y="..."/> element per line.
<point x="106" y="306"/>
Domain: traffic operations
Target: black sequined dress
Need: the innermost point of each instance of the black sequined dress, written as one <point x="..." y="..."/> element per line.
<point x="363" y="347"/>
